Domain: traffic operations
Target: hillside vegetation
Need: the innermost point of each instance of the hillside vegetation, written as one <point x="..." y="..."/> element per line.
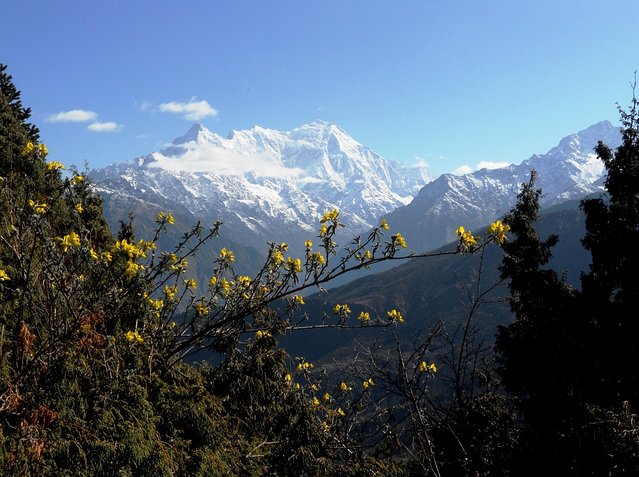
<point x="97" y="330"/>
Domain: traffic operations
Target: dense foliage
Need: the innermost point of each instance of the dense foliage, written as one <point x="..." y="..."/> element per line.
<point x="95" y="329"/>
<point x="98" y="332"/>
<point x="91" y="376"/>
<point x="570" y="356"/>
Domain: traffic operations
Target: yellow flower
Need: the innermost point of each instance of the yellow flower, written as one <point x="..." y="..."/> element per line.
<point x="27" y="149"/>
<point x="316" y="401"/>
<point x="364" y="316"/>
<point x="395" y="315"/>
<point x="165" y="216"/>
<point x="78" y="208"/>
<point x="134" y="336"/>
<point x="319" y="258"/>
<point x="227" y="255"/>
<point x="341" y="309"/>
<point x="340" y="412"/>
<point x="145" y="245"/>
<point x="288" y="378"/>
<point x="327" y="397"/>
<point x="278" y="258"/>
<point x="325" y="426"/>
<point x="465" y="237"/>
<point x="368" y="383"/>
<point x="368" y="255"/>
<point x="323" y="230"/>
<point x="499" y="229"/>
<point x="283" y="246"/>
<point x="55" y="166"/>
<point x="201" y="309"/>
<point x="169" y="292"/>
<point x="78" y="179"/>
<point x="190" y="283"/>
<point x="244" y="281"/>
<point x="226" y="286"/>
<point x="308" y="244"/>
<point x="3" y="276"/>
<point x="399" y="240"/>
<point x="314" y="387"/>
<point x="468" y="239"/>
<point x="330" y="215"/>
<point x="297" y="300"/>
<point x="424" y="366"/>
<point x="38" y="208"/>
<point x="157" y="305"/>
<point x="42" y="149"/>
<point x="132" y="269"/>
<point x="213" y="281"/>
<point x="294" y="264"/>
<point x="132" y="250"/>
<point x="385" y="225"/>
<point x="106" y="255"/>
<point x="70" y="240"/>
<point x="345" y="387"/>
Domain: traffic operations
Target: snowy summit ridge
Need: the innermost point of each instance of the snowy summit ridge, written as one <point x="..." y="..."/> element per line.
<point x="568" y="171"/>
<point x="265" y="181"/>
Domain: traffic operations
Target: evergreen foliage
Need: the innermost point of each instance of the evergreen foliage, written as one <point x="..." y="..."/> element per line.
<point x="570" y="356"/>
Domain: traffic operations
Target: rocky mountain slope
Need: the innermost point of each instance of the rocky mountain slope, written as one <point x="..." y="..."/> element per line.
<point x="266" y="184"/>
<point x="568" y="171"/>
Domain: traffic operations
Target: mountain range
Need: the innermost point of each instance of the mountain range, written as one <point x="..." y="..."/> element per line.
<point x="268" y="185"/>
<point x="568" y="171"/>
<point x="265" y="184"/>
<point x="271" y="185"/>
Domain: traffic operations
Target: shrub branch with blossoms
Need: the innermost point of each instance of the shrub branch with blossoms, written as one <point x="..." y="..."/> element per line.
<point x="94" y="330"/>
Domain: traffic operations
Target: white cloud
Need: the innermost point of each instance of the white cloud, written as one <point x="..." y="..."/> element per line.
<point x="192" y="110"/>
<point x="104" y="127"/>
<point x="220" y="161"/>
<point x="73" y="116"/>
<point x="461" y="170"/>
<point x="144" y="105"/>
<point x="421" y="162"/>
<point x="490" y="165"/>
<point x="466" y="169"/>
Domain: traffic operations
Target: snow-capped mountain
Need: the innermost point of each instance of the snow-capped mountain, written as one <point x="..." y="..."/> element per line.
<point x="570" y="170"/>
<point x="266" y="184"/>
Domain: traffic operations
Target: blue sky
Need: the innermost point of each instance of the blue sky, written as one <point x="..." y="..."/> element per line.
<point x="448" y="83"/>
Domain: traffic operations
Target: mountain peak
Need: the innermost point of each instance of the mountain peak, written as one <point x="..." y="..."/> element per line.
<point x="584" y="141"/>
<point x="197" y="132"/>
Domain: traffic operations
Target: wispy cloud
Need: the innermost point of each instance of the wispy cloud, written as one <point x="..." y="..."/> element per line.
<point x="144" y="105"/>
<point x="461" y="170"/>
<point x="421" y="162"/>
<point x="220" y="161"/>
<point x="73" y="116"/>
<point x="192" y="110"/>
<point x="466" y="169"/>
<point x="109" y="126"/>
<point x="491" y="165"/>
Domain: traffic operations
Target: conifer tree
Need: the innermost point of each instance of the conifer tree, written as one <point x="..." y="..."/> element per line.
<point x="569" y="358"/>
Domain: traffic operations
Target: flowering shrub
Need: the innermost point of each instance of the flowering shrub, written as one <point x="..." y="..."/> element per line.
<point x="95" y="330"/>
